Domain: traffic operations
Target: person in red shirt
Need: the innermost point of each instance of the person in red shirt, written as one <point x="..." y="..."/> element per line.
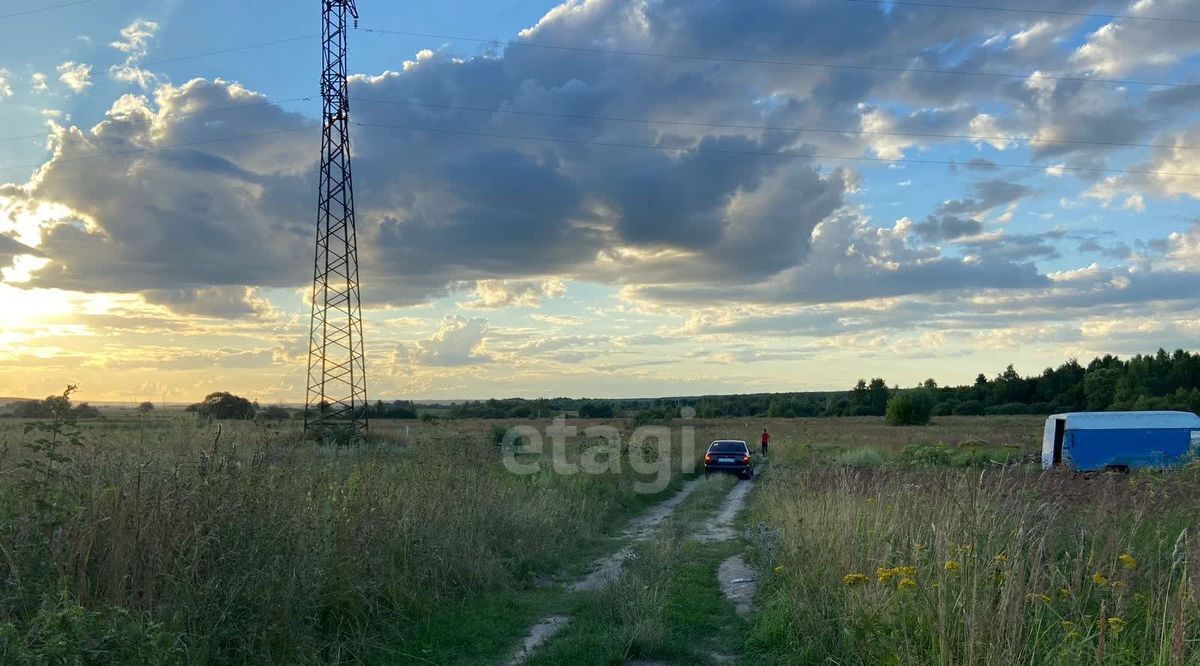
<point x="766" y="439"/>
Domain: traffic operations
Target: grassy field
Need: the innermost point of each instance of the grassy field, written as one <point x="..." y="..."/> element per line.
<point x="161" y="539"/>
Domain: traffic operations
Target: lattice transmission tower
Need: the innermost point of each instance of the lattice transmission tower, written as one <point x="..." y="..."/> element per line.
<point x="337" y="373"/>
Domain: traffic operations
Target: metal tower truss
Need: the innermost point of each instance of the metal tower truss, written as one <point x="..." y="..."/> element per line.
<point x="337" y="374"/>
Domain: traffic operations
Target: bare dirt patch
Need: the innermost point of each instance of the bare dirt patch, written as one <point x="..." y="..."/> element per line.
<point x="739" y="583"/>
<point x="721" y="529"/>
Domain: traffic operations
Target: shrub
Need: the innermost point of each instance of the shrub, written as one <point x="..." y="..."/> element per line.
<point x="912" y="408"/>
<point x="863" y="457"/>
<point x="1009" y="409"/>
<point x="943" y="408"/>
<point x="969" y="408"/>
<point x="146" y="407"/>
<point x="926" y="455"/>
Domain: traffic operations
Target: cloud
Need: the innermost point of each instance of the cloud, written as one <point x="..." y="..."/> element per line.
<point x="39" y="82"/>
<point x="947" y="227"/>
<point x="219" y="302"/>
<point x="1183" y="249"/>
<point x="457" y="341"/>
<point x="558" y="320"/>
<point x="11" y="248"/>
<point x="76" y="76"/>
<point x="6" y="89"/>
<point x="852" y="259"/>
<point x="135" y="43"/>
<point x="987" y="195"/>
<point x="492" y="294"/>
<point x="1123" y="46"/>
<point x="450" y="194"/>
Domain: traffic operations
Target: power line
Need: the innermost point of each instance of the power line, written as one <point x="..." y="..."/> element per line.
<point x="786" y="63"/>
<point x="39" y="10"/>
<point x="235" y="49"/>
<point x="765" y="153"/>
<point x="183" y="114"/>
<point x="769" y="128"/>
<point x="1018" y="10"/>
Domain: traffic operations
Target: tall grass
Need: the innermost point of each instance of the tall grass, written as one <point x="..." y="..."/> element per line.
<point x="172" y="541"/>
<point x="999" y="566"/>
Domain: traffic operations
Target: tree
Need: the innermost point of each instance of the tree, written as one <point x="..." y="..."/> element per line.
<point x="226" y="406"/>
<point x="146" y="407"/>
<point x="1100" y="387"/>
<point x="909" y="408"/>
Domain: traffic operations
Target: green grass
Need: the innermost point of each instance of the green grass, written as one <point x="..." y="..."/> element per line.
<point x="1001" y="565"/>
<point x="667" y="604"/>
<point x="252" y="545"/>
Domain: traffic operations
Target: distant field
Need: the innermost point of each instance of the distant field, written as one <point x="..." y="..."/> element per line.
<point x="160" y="538"/>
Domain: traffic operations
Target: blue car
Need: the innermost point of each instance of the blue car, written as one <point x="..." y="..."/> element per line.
<point x="729" y="455"/>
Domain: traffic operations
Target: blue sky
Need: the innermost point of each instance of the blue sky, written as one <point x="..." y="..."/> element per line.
<point x="511" y="254"/>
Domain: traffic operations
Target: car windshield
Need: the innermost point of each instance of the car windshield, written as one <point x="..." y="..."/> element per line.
<point x="727" y="447"/>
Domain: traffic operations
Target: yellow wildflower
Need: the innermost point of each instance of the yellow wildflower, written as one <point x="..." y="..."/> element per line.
<point x="852" y="579"/>
<point x="1117" y="584"/>
<point x="1038" y="596"/>
<point x="1064" y="592"/>
<point x="951" y="565"/>
<point x="1001" y="558"/>
<point x="1067" y="624"/>
<point x="906" y="571"/>
<point x="1072" y="635"/>
<point x="884" y="575"/>
<point x="906" y="582"/>
<point x="779" y="569"/>
<point x="1116" y="624"/>
<point x="1099" y="579"/>
<point x="1128" y="561"/>
<point x="870" y="500"/>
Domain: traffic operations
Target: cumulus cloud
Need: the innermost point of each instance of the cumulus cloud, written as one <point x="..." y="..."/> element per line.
<point x="514" y="293"/>
<point x="77" y="76"/>
<point x="1122" y="46"/>
<point x="5" y="83"/>
<point x="451" y="196"/>
<point x="220" y="302"/>
<point x="39" y="82"/>
<point x="458" y="341"/>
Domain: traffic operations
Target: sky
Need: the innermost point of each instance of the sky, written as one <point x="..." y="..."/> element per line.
<point x="598" y="198"/>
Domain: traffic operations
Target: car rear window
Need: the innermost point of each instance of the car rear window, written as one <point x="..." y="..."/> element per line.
<point x="727" y="447"/>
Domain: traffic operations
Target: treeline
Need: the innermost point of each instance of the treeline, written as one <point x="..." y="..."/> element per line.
<point x="226" y="406"/>
<point x="1145" y="382"/>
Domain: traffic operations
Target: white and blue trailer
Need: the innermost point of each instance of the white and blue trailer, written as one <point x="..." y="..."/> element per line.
<point x="1098" y="441"/>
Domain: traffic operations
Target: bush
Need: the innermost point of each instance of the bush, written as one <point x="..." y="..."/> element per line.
<point x="912" y="408"/>
<point x="146" y="407"/>
<point x="863" y="457"/>
<point x="1009" y="409"/>
<point x="969" y="408"/>
<point x="943" y="408"/>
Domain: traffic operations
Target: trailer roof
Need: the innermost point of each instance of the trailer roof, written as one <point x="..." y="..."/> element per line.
<point x="1128" y="420"/>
